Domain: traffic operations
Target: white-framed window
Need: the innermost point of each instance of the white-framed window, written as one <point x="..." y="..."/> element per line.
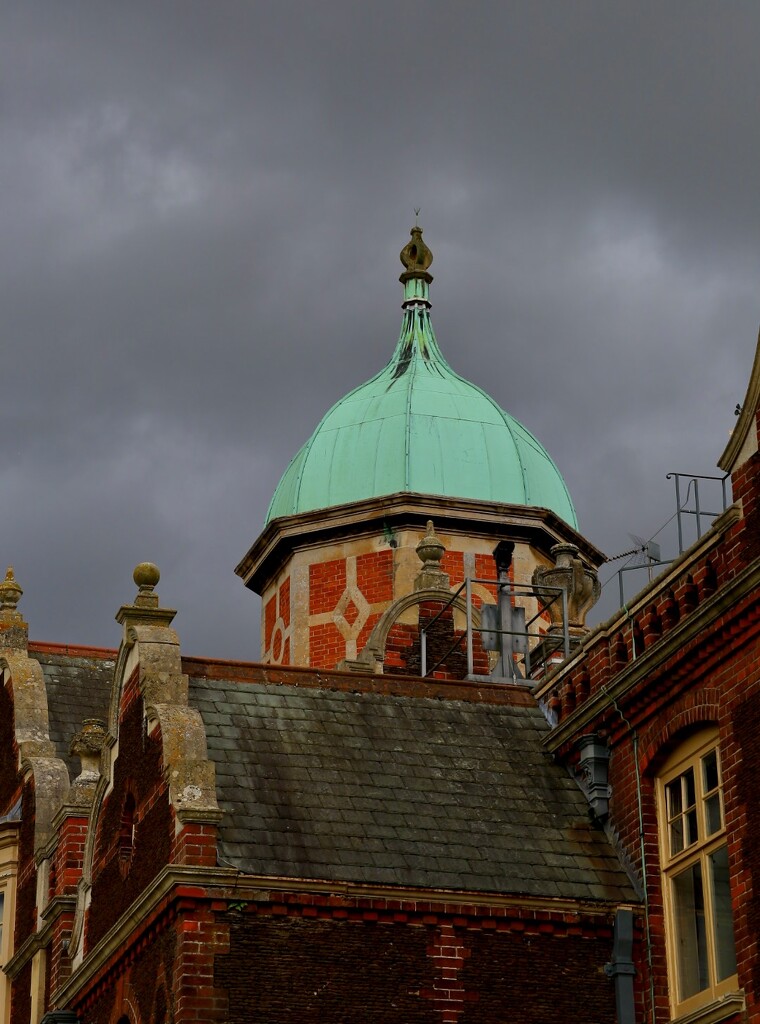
<point x="695" y="874"/>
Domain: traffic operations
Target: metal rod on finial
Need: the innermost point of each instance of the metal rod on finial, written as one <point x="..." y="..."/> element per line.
<point x="416" y="215"/>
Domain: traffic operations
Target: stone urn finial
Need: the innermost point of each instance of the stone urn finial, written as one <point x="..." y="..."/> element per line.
<point x="430" y="551"/>
<point x="10" y="591"/>
<point x="87" y="745"/>
<point x="580" y="583"/>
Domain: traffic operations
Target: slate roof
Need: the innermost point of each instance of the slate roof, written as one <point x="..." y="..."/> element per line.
<point x="386" y="788"/>
<point x="78" y="683"/>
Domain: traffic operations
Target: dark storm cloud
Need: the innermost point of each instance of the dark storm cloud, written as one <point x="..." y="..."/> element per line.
<point x="202" y="208"/>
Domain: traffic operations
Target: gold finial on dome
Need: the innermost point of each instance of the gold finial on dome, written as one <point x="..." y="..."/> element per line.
<point x="415" y="255"/>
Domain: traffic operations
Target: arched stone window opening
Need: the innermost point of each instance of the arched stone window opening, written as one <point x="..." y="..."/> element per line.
<point x="127" y="835"/>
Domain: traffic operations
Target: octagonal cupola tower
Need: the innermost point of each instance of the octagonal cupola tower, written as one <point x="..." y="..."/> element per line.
<point x="415" y="442"/>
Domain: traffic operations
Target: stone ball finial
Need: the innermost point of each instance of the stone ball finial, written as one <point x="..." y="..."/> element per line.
<point x="416" y="256"/>
<point x="10" y="591"/>
<point x="146" y="575"/>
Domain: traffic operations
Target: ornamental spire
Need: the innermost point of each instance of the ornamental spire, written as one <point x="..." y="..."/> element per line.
<point x="416" y="258"/>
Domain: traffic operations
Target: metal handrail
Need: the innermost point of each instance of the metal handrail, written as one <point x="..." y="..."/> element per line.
<point x="539" y="593"/>
<point x="697" y="511"/>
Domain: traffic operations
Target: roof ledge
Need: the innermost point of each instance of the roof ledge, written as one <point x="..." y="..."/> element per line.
<point x="743" y="442"/>
<point x="539" y="527"/>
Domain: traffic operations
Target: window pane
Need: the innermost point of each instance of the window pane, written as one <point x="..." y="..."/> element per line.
<point x="723" y="926"/>
<point x="690" y="795"/>
<point x="712" y="814"/>
<point x="675" y="810"/>
<point x="691" y="827"/>
<point x="691" y="944"/>
<point x="710" y="770"/>
<point x="676" y="836"/>
<point x="673" y="793"/>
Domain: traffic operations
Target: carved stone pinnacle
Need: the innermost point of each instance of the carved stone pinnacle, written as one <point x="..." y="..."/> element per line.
<point x="430" y="551"/>
<point x="10" y="591"/>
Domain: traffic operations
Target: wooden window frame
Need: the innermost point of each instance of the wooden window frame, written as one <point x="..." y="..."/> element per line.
<point x="691" y="755"/>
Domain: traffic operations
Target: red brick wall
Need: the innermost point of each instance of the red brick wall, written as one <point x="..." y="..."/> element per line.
<point x="270" y="617"/>
<point x="26" y="884"/>
<point x="320" y="972"/>
<point x="330" y="959"/>
<point x="137" y="770"/>
<point x="284" y="601"/>
<point x="403" y="653"/>
<point x="327" y="584"/>
<point x="10" y="780"/>
<point x="711" y="678"/>
<point x="453" y="564"/>
<point x="327" y="581"/>
<point x="198" y="997"/>
<point x="374" y="575"/>
<point x="326" y="646"/>
<point x="537" y="980"/>
<point x="21" y="998"/>
<point x="485" y="569"/>
<point x="140" y="986"/>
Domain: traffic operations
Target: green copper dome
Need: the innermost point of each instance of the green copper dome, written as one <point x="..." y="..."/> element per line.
<point x="418" y="426"/>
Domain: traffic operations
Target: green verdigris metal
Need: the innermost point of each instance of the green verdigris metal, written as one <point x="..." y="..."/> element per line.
<point x="418" y="426"/>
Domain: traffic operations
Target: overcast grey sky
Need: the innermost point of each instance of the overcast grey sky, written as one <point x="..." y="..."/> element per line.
<point x="202" y="208"/>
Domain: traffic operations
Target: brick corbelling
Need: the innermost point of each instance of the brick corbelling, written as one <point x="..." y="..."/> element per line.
<point x="693" y="668"/>
<point x="714" y="549"/>
<point x="695" y="649"/>
<point x="430" y="912"/>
